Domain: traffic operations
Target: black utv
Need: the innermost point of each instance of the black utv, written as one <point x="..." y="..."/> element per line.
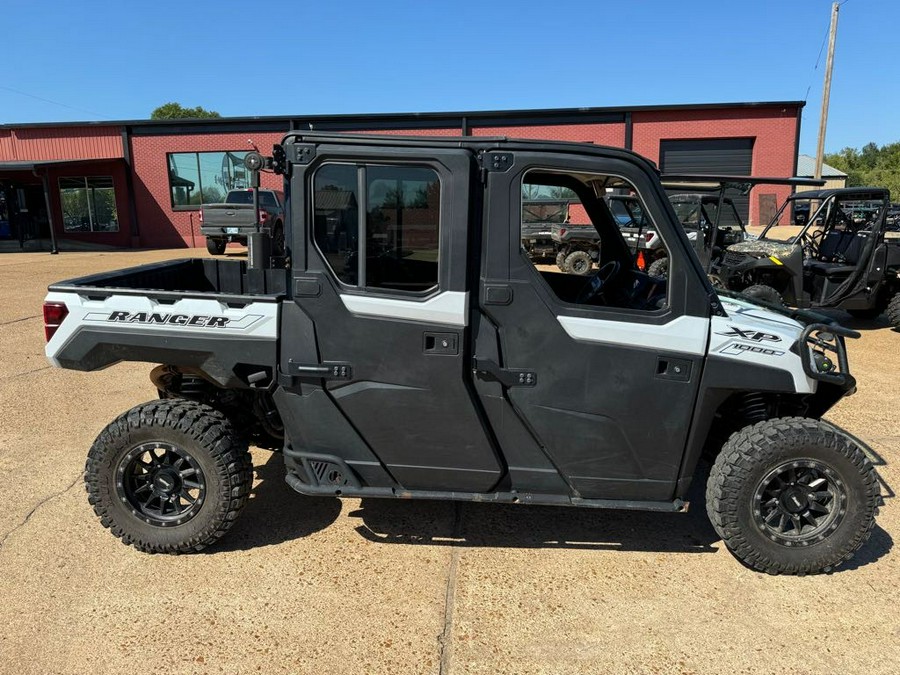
<point x="844" y="256"/>
<point x="407" y="347"/>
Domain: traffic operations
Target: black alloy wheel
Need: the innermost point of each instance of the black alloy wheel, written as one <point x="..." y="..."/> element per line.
<point x="161" y="483"/>
<point x="799" y="503"/>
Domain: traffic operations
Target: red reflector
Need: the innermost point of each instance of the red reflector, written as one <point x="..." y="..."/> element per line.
<point x="200" y="214"/>
<point x="54" y="314"/>
<point x="263" y="216"/>
<point x="562" y="231"/>
<point x="648" y="236"/>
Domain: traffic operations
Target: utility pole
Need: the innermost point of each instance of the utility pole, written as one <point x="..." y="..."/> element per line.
<point x="826" y="91"/>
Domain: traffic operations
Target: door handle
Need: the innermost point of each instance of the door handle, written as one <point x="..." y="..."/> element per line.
<point x="673" y="369"/>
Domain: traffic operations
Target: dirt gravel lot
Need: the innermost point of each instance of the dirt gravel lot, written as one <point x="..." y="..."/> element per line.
<point x="305" y="585"/>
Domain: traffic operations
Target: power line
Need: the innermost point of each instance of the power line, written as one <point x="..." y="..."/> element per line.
<point x="47" y="100"/>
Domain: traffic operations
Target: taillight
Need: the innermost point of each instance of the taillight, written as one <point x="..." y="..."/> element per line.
<point x="200" y="214"/>
<point x="263" y="216"/>
<point x="649" y="236"/>
<point x="562" y="231"/>
<point x="54" y="314"/>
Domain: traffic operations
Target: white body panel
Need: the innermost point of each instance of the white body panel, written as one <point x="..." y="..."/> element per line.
<point x="752" y="333"/>
<point x="686" y="334"/>
<point x="256" y="321"/>
<point x="448" y="307"/>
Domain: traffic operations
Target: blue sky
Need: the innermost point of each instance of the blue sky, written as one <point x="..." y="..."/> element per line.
<point x="121" y="59"/>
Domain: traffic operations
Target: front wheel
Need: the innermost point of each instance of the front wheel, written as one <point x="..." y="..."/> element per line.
<point x="792" y="496"/>
<point x="764" y="293"/>
<point x="168" y="476"/>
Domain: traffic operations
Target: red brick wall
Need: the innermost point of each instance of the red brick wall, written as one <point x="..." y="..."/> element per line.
<point x="774" y="132"/>
<point x="160" y="225"/>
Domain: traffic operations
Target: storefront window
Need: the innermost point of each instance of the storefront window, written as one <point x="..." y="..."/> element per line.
<point x="88" y="204"/>
<point x="197" y="178"/>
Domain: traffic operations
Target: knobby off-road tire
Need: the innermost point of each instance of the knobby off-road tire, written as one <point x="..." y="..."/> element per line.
<point x="659" y="268"/>
<point x="216" y="246"/>
<point x="764" y="477"/>
<point x="893" y="311"/>
<point x="561" y="260"/>
<point x="580" y="263"/>
<point x="192" y="460"/>
<point x="764" y="293"/>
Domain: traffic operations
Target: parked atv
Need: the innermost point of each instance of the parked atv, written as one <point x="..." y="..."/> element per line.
<point x="844" y="256"/>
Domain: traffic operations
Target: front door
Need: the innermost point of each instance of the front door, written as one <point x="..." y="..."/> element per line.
<point x="386" y="258"/>
<point x="608" y="372"/>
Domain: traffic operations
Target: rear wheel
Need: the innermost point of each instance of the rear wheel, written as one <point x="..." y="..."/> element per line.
<point x="580" y="263"/>
<point x="561" y="260"/>
<point x="792" y="496"/>
<point x="216" y="246"/>
<point x="659" y="268"/>
<point x="764" y="293"/>
<point x="168" y="476"/>
<point x="893" y="311"/>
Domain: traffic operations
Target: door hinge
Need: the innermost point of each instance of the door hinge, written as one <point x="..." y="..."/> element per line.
<point x="508" y="377"/>
<point x="497" y="162"/>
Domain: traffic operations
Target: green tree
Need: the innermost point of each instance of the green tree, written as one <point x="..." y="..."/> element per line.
<point x="176" y="111"/>
<point x="870" y="165"/>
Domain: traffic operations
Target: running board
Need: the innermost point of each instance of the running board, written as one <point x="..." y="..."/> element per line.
<point x="676" y="506"/>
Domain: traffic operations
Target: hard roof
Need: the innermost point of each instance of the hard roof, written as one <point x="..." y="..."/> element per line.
<point x="413" y="120"/>
<point x="857" y="192"/>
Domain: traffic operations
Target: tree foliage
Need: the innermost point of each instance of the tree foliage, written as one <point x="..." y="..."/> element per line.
<point x="176" y="111"/>
<point x="870" y="165"/>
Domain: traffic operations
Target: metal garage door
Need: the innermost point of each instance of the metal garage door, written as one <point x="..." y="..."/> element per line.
<point x="723" y="157"/>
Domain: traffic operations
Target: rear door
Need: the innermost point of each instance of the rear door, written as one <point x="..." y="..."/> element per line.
<point x="607" y="392"/>
<point x="381" y="273"/>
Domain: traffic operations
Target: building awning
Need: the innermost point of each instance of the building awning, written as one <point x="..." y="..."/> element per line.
<point x="31" y="165"/>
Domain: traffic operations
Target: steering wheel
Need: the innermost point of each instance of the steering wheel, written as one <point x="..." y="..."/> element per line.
<point x="811" y="243"/>
<point x="594" y="286"/>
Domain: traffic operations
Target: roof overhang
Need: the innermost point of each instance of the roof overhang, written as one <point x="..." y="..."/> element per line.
<point x="32" y="165"/>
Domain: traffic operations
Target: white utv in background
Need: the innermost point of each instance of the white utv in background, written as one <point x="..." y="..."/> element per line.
<point x="406" y="347"/>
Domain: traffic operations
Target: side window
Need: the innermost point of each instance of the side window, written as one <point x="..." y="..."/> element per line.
<point x="402" y="227"/>
<point x="336" y="219"/>
<point x="603" y="252"/>
<point x="401" y="222"/>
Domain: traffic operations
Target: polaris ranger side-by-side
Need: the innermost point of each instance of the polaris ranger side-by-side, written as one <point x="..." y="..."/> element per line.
<point x="845" y="256"/>
<point x="407" y="347"/>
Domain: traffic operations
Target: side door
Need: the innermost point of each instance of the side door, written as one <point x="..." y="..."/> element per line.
<point x="606" y="391"/>
<point x="380" y="281"/>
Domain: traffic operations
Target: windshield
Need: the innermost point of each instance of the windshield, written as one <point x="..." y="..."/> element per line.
<point x="729" y="216"/>
<point x="687" y="212"/>
<point x="837" y="212"/>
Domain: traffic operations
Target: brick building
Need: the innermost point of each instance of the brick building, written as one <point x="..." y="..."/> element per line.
<point x="140" y="183"/>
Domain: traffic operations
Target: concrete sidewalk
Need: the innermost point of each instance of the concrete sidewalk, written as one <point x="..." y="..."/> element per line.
<point x="304" y="585"/>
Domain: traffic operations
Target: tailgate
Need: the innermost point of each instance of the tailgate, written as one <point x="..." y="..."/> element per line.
<point x="228" y="215"/>
<point x="227" y="340"/>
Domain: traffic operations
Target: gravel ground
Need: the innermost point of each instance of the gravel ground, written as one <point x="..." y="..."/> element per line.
<point x="304" y="585"/>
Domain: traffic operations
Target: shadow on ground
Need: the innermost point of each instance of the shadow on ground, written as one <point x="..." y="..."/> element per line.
<point x="275" y="513"/>
<point x="518" y="526"/>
